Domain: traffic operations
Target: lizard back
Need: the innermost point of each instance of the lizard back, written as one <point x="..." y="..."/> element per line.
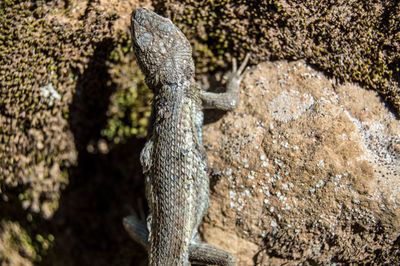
<point x="175" y="177"/>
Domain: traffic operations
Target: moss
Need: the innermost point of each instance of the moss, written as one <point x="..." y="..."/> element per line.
<point x="23" y="63"/>
<point x="16" y="241"/>
<point x="129" y="107"/>
<point x="40" y="59"/>
<point x="357" y="41"/>
<point x="45" y="54"/>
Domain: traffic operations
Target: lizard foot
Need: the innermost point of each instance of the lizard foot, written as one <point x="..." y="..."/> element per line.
<point x="228" y="100"/>
<point x="238" y="74"/>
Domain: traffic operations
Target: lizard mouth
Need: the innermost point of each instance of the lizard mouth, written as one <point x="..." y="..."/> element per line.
<point x="142" y="15"/>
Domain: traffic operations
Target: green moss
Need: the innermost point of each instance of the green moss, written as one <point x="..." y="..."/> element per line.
<point x="35" y="53"/>
<point x="15" y="241"/>
<point x="129" y="108"/>
<point x="37" y="147"/>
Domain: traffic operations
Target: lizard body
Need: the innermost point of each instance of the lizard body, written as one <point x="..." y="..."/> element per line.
<point x="174" y="159"/>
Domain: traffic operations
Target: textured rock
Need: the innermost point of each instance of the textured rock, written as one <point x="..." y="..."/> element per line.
<point x="306" y="169"/>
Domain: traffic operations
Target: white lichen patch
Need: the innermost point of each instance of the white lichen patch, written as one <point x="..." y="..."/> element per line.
<point x="48" y="92"/>
<point x="377" y="144"/>
<point x="289" y="105"/>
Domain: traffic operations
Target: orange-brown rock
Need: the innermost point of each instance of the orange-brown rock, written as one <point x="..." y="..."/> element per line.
<point x="305" y="170"/>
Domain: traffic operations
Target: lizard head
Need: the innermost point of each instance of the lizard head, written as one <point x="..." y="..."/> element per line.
<point x="161" y="49"/>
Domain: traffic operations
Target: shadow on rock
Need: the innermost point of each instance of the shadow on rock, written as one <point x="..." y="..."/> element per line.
<point x="104" y="187"/>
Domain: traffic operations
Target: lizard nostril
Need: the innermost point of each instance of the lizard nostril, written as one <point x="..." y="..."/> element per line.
<point x="141" y="16"/>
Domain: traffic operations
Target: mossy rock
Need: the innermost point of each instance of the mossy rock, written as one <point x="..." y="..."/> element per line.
<point x="69" y="82"/>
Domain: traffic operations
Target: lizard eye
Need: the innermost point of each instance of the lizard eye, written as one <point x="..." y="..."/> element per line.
<point x="144" y="40"/>
<point x="166" y="27"/>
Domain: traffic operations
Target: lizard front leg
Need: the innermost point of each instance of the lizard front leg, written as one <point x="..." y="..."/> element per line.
<point x="230" y="99"/>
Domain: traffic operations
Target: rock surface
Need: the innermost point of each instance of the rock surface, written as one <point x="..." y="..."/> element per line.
<point x="305" y="170"/>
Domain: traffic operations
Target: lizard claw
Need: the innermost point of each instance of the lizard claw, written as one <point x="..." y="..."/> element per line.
<point x="239" y="73"/>
<point x="234" y="65"/>
<point x="244" y="64"/>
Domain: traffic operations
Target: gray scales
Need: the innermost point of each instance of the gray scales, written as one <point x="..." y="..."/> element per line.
<point x="174" y="159"/>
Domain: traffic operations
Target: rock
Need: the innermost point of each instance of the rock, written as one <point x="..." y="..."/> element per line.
<point x="305" y="170"/>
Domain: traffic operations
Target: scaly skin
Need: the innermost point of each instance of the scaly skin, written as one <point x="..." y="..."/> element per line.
<point x="173" y="159"/>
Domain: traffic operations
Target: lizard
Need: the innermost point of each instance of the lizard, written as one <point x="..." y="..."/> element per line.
<point x="174" y="158"/>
